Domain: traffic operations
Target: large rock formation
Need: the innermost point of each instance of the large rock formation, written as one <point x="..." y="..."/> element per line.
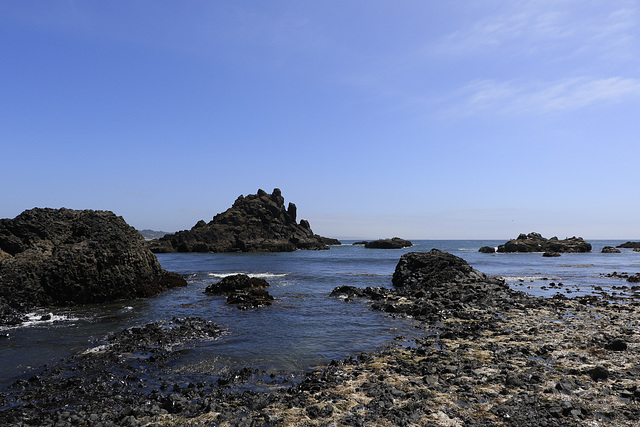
<point x="426" y="270"/>
<point x="255" y="223"/>
<point x="534" y="242"/>
<point x="64" y="257"/>
<point x="393" y="243"/>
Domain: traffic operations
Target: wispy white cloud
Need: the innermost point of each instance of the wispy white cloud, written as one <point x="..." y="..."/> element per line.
<point x="531" y="27"/>
<point x="513" y="97"/>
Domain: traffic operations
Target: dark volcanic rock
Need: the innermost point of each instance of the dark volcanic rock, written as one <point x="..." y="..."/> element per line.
<point x="419" y="270"/>
<point x="534" y="242"/>
<point x="329" y="241"/>
<point x="393" y="243"/>
<point x="63" y="257"/>
<point x="487" y="250"/>
<point x="240" y="289"/>
<point x="629" y="245"/>
<point x="255" y="223"/>
<point x="610" y="250"/>
<point x="551" y="254"/>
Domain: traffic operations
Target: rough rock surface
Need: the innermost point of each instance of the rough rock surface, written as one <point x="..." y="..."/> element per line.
<point x="630" y="245"/>
<point x="65" y="257"/>
<point x="255" y="223"/>
<point x="244" y="291"/>
<point x="610" y="250"/>
<point x="487" y="250"/>
<point x="393" y="243"/>
<point x="489" y="357"/>
<point x="534" y="242"/>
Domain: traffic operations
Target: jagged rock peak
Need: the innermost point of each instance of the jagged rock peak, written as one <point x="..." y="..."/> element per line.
<point x="255" y="223"/>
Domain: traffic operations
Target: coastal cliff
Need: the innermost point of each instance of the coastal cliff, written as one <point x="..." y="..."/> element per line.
<point x="58" y="257"/>
<point x="255" y="223"/>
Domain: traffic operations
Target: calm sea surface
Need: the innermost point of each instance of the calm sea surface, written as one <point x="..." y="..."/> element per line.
<point x="305" y="327"/>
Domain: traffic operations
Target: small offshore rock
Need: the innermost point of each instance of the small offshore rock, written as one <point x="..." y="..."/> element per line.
<point x="393" y="243"/>
<point x="487" y="250"/>
<point x="534" y="242"/>
<point x="242" y="290"/>
<point x="610" y="250"/>
<point x="550" y="254"/>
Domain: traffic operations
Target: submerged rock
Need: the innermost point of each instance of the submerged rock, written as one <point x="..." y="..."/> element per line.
<point x="255" y="223"/>
<point x="64" y="257"/>
<point x="393" y="243"/>
<point x="534" y="242"/>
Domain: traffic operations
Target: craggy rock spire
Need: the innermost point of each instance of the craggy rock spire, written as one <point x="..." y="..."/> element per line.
<point x="255" y="223"/>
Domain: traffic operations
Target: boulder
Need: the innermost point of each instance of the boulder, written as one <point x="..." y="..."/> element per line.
<point x="487" y="250"/>
<point x="534" y="242"/>
<point x="63" y="257"/>
<point x="420" y="270"/>
<point x="610" y="250"/>
<point x="551" y="254"/>
<point x="255" y="223"/>
<point x="242" y="290"/>
<point x="393" y="243"/>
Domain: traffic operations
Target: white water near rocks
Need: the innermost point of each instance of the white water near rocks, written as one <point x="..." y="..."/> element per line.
<point x="305" y="327"/>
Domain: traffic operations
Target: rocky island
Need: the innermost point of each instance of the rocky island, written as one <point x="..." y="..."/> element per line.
<point x="534" y="242"/>
<point x="61" y="257"/>
<point x="255" y="223"/>
<point x="393" y="243"/>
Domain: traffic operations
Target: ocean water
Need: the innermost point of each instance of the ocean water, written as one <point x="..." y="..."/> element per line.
<point x="305" y="327"/>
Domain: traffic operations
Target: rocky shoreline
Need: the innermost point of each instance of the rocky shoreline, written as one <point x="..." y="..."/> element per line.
<point x="488" y="355"/>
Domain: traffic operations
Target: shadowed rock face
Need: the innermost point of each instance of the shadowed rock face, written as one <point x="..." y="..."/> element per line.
<point x="534" y="242"/>
<point x="65" y="256"/>
<point x="424" y="270"/>
<point x="255" y="223"/>
<point x="393" y="243"/>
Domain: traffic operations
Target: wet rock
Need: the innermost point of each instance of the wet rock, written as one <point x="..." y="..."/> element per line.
<point x="551" y="254"/>
<point x="255" y="223"/>
<point x="629" y="245"/>
<point x="487" y="250"/>
<point x="534" y="242"/>
<point x="65" y="257"/>
<point x="393" y="243"/>
<point x="610" y="250"/>
<point x="244" y="291"/>
<point x="422" y="270"/>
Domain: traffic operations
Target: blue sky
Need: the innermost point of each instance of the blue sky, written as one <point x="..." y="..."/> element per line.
<point x="418" y="119"/>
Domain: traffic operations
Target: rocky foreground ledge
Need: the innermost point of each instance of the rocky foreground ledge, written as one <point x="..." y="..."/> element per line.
<point x="489" y="356"/>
